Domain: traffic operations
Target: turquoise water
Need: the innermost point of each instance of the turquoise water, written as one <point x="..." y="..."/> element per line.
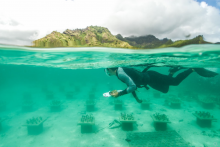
<point x="90" y="58"/>
<point x="34" y="73"/>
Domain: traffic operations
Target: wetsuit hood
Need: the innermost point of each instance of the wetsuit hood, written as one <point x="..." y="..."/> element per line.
<point x="108" y="73"/>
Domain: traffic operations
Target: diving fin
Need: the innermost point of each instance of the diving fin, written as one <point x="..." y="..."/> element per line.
<point x="205" y="73"/>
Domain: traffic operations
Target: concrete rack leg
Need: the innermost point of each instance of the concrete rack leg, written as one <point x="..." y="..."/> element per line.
<point x="160" y="126"/>
<point x="90" y="107"/>
<point x="35" y="130"/>
<point x="204" y="123"/>
<point x="86" y="129"/>
<point x="127" y="126"/>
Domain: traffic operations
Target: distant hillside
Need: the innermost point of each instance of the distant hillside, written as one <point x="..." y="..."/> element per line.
<point x="197" y="40"/>
<point x="89" y="37"/>
<point x="149" y="41"/>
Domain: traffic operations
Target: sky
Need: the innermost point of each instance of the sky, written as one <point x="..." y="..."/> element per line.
<point x="22" y="21"/>
<point x="214" y="3"/>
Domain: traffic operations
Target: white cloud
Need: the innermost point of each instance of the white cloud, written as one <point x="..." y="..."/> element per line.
<point x="45" y="16"/>
<point x="23" y="21"/>
<point x="172" y="19"/>
<point x="204" y="4"/>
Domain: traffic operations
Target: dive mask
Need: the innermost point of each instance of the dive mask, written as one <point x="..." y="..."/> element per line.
<point x="107" y="72"/>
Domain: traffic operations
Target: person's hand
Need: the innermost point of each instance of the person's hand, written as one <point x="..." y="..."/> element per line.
<point x="114" y="93"/>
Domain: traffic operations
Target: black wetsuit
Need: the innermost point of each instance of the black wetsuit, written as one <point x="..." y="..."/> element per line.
<point x="135" y="79"/>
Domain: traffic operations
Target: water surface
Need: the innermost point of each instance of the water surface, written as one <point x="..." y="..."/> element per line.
<point x="39" y="71"/>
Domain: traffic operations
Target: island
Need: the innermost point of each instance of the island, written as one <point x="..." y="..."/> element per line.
<point x="96" y="36"/>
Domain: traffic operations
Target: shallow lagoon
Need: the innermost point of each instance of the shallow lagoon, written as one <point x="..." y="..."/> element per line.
<point x="38" y="72"/>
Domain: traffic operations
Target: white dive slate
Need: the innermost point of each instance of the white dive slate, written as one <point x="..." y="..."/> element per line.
<point x="107" y="94"/>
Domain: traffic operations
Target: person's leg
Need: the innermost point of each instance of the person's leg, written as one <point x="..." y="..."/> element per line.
<point x="145" y="70"/>
<point x="173" y="70"/>
<point x="158" y="81"/>
<point x="160" y="87"/>
<point x="180" y="77"/>
<point x="162" y="82"/>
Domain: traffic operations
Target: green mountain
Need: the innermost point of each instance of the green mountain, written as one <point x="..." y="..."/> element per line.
<point x="95" y="36"/>
<point x="149" y="41"/>
<point x="89" y="37"/>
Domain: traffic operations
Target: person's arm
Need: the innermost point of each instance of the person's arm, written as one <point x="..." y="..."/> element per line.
<point x="135" y="96"/>
<point x="114" y="93"/>
<point x="131" y="86"/>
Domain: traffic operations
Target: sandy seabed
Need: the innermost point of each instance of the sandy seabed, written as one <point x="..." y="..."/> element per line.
<point x="61" y="128"/>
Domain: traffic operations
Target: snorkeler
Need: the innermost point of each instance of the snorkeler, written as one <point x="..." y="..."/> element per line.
<point x="135" y="79"/>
